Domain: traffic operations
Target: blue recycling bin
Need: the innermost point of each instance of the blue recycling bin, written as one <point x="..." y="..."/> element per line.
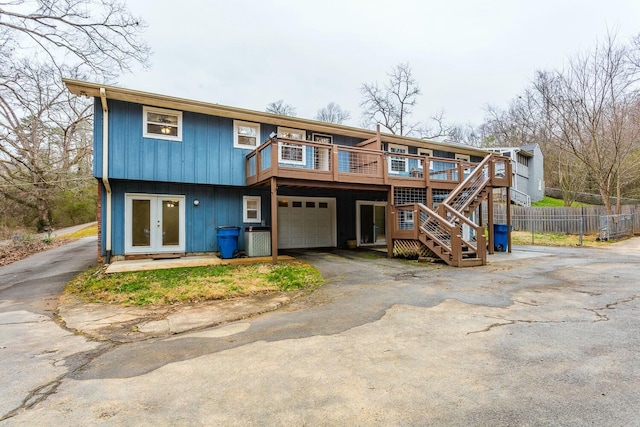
<point x="228" y="241"/>
<point x="500" y="238"/>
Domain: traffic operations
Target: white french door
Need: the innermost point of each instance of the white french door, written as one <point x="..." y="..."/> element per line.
<point x="154" y="223"/>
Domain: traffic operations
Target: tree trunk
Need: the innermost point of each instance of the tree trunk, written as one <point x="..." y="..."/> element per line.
<point x="44" y="215"/>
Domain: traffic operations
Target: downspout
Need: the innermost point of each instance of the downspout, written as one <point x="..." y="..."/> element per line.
<point x="105" y="171"/>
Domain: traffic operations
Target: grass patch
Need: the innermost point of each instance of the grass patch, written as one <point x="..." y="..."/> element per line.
<point x="554" y="239"/>
<point x="184" y="285"/>
<point x="550" y="202"/>
<point x="85" y="232"/>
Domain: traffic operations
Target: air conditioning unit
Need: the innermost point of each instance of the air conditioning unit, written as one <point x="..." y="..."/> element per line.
<point x="257" y="242"/>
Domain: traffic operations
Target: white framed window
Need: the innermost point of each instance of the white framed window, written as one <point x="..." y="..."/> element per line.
<point x="424" y="152"/>
<point x="292" y="133"/>
<point x="251" y="208"/>
<point x="289" y="152"/>
<point x="398" y="164"/>
<point x="406" y="219"/>
<point x="246" y="135"/>
<point x="160" y="123"/>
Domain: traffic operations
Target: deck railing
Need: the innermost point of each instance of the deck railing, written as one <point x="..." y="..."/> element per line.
<point x="290" y="158"/>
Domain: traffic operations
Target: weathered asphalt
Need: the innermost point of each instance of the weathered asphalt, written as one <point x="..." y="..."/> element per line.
<point x="549" y="339"/>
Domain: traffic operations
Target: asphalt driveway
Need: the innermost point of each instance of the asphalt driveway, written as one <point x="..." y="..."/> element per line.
<point x="549" y="338"/>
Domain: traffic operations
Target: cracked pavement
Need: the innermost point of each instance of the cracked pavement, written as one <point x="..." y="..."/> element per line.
<point x="546" y="336"/>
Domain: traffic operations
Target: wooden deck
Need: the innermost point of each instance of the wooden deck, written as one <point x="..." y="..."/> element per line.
<point x="312" y="162"/>
<point x="448" y="233"/>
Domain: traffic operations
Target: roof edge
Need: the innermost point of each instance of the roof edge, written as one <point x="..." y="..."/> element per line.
<point x="88" y="89"/>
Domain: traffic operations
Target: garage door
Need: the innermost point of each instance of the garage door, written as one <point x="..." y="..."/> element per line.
<point x="306" y="222"/>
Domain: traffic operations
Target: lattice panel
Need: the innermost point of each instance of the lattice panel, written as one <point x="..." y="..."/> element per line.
<point x="407" y="195"/>
<point x="410" y="249"/>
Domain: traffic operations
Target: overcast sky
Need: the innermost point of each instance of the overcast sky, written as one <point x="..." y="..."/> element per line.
<point x="465" y="54"/>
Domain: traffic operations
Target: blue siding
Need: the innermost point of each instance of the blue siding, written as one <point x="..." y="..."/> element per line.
<point x="219" y="206"/>
<point x="204" y="156"/>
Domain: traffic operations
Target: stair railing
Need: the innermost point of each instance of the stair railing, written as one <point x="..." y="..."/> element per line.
<point x="468" y="190"/>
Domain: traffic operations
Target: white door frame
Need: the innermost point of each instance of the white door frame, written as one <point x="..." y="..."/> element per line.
<point x="156" y="223"/>
<point x="359" y="204"/>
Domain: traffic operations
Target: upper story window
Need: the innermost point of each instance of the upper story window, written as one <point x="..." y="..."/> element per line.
<point x="292" y="133"/>
<point x="322" y="138"/>
<point x="424" y="152"/>
<point x="246" y="135"/>
<point x="289" y="152"/>
<point x="398" y="164"/>
<point x="523" y="160"/>
<point x="162" y="124"/>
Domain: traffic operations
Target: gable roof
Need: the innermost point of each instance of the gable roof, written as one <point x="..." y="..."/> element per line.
<point x="82" y="88"/>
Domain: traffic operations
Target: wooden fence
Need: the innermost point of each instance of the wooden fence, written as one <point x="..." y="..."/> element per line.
<point x="582" y="220"/>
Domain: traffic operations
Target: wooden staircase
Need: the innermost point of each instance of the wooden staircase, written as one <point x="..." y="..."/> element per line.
<point x="448" y="231"/>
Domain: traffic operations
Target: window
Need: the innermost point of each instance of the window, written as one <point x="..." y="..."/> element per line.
<point x="162" y="124"/>
<point x="322" y="138"/>
<point x="398" y="164"/>
<point x="246" y="135"/>
<point x="405" y="219"/>
<point x="289" y="152"/>
<point x="251" y="208"/>
<point x="292" y="133"/>
<point x="424" y="152"/>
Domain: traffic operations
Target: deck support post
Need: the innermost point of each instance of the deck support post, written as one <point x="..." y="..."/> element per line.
<point x="274" y="221"/>
<point x="490" y="222"/>
<point x="390" y="222"/>
<point x="508" y="219"/>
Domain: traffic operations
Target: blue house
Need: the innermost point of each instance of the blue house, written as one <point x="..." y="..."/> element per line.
<point x="172" y="171"/>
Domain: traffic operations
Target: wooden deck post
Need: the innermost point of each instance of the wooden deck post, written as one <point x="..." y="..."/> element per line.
<point x="274" y="221"/>
<point x="490" y="222"/>
<point x="390" y="222"/>
<point x="509" y="218"/>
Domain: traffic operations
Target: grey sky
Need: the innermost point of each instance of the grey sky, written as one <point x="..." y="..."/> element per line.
<point x="465" y="54"/>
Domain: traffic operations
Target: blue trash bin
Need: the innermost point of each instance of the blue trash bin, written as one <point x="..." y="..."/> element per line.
<point x="500" y="238"/>
<point x="228" y="241"/>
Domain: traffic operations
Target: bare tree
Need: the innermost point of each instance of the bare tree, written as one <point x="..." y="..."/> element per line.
<point x="45" y="142"/>
<point x="333" y="113"/>
<point x="281" y="108"/>
<point x="45" y="133"/>
<point x="592" y="108"/>
<point x="391" y="104"/>
<point x="100" y="34"/>
<point x="465" y="134"/>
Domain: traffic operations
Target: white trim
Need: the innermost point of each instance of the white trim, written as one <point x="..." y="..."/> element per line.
<point x="424" y="152"/>
<point x="463" y="157"/>
<point x="145" y="134"/>
<point x="359" y="204"/>
<point x="255" y="126"/>
<point x="284" y="132"/>
<point x="405" y="150"/>
<point x="245" y="209"/>
<point x="155" y="236"/>
<point x="283" y="144"/>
